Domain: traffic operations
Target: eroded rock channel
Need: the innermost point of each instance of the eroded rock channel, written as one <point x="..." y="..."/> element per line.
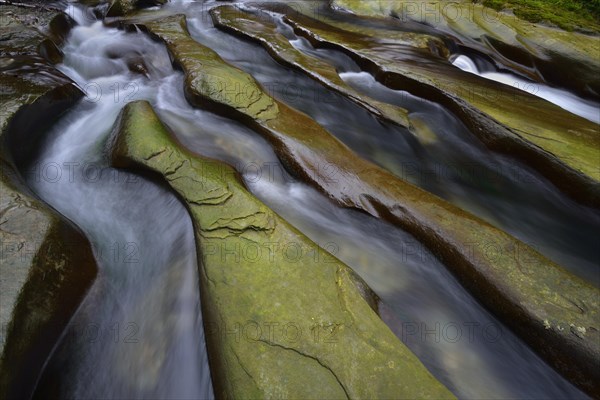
<point x="307" y="200"/>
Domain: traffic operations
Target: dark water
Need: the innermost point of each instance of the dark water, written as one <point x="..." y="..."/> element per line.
<point x="454" y="165"/>
<point x="139" y="334"/>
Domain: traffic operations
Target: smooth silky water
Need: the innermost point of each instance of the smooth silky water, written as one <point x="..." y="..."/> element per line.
<point x="584" y="108"/>
<point x="156" y="297"/>
<point x="466" y="347"/>
<point x="451" y="162"/>
<point x="138" y="333"/>
<point x="418" y="292"/>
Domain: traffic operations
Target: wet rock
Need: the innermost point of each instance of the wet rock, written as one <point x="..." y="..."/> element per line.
<point x="120" y="8"/>
<point x="560" y="145"/>
<point x="137" y="66"/>
<point x="29" y="79"/>
<point x="517" y="283"/>
<point x="27" y="30"/>
<point x="544" y="53"/>
<point x="260" y="29"/>
<point x="283" y="318"/>
<point x="46" y="265"/>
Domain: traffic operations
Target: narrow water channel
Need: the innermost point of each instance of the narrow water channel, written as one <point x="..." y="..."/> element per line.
<point x="138" y="333"/>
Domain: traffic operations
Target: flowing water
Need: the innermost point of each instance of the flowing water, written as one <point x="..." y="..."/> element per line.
<point x="454" y="164"/>
<point x="584" y="108"/>
<point x="138" y="333"/>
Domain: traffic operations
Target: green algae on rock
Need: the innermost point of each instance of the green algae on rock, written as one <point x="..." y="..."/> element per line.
<point x="47" y="264"/>
<point x="517" y="283"/>
<point x="565" y="148"/>
<point x="544" y="53"/>
<point x="263" y="31"/>
<point x="580" y="15"/>
<point x="283" y="318"/>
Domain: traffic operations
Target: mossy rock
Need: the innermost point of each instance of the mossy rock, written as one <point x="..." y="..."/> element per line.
<point x="120" y="8"/>
<point x="563" y="147"/>
<point x="530" y="293"/>
<point x="47" y="264"/>
<point x="544" y="53"/>
<point x="259" y="28"/>
<point x="283" y="318"/>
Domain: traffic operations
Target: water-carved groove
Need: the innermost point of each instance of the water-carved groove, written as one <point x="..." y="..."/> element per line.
<point x="229" y="214"/>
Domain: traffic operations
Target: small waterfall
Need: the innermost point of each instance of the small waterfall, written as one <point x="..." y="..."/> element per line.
<point x="466" y="64"/>
<point x="584" y="108"/>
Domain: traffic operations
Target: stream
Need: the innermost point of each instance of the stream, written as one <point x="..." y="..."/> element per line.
<point x="570" y="102"/>
<point x="139" y="333"/>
